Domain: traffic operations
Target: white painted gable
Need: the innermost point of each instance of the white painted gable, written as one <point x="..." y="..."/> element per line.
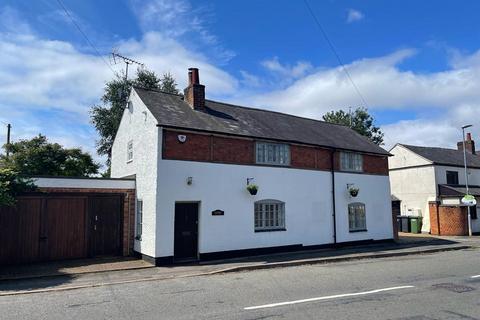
<point x="403" y="157"/>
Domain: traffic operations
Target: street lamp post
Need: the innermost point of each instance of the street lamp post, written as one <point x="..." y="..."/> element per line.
<point x="466" y="178"/>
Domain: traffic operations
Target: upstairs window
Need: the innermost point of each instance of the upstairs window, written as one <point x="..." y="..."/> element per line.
<point x="269" y="215"/>
<point x="130" y="151"/>
<point x="351" y="161"/>
<point x="452" y="177"/>
<point x="357" y="220"/>
<point x="273" y="153"/>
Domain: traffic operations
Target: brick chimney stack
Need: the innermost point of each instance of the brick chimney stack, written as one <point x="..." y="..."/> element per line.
<point x="469" y="144"/>
<point x="195" y="92"/>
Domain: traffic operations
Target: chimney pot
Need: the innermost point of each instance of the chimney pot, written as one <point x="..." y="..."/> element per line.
<point x="469" y="136"/>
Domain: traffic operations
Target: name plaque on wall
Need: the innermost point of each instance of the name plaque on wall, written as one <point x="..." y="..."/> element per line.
<point x="218" y="212"/>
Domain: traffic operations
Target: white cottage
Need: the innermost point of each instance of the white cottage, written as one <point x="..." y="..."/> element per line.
<point x="194" y="158"/>
<point x="430" y="182"/>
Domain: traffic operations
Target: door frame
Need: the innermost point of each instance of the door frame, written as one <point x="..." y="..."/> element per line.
<point x="198" y="202"/>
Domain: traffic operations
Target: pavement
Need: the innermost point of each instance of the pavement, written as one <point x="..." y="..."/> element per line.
<point x="70" y="275"/>
<point x="442" y="285"/>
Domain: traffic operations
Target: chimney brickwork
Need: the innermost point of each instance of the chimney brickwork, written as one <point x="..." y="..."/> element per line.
<point x="195" y="92"/>
<point x="469" y="144"/>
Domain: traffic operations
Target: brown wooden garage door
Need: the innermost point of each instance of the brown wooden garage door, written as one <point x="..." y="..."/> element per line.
<point x="44" y="228"/>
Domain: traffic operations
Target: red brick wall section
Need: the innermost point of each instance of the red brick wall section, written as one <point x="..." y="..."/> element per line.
<point x="232" y="150"/>
<point x="196" y="147"/>
<point x="128" y="211"/>
<point x="375" y="164"/>
<point x="324" y="159"/>
<point x="433" y="210"/>
<point x="210" y="148"/>
<point x="303" y="157"/>
<point x="449" y="221"/>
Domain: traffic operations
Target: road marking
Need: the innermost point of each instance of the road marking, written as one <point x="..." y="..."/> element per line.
<point x="477" y="276"/>
<point x="272" y="305"/>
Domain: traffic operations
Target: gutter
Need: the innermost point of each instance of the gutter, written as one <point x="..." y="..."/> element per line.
<point x="334" y="216"/>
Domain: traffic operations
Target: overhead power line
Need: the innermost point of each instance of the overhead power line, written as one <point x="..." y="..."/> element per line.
<point x="330" y="44"/>
<point x="84" y="34"/>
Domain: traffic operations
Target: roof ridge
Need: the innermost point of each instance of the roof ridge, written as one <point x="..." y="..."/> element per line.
<point x="157" y="90"/>
<point x="277" y="112"/>
<point x="426" y="147"/>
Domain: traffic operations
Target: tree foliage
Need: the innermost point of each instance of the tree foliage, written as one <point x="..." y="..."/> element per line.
<point x="38" y="156"/>
<point x="359" y="120"/>
<point x="106" y="117"/>
<point x="11" y="185"/>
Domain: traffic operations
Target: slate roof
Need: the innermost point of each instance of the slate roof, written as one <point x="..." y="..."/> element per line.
<point x="171" y="110"/>
<point x="444" y="156"/>
<point x="458" y="190"/>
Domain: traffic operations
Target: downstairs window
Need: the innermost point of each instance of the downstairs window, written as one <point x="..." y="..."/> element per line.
<point x="269" y="215"/>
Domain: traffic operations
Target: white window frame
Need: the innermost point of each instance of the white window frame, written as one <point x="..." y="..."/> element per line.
<point x="269" y="215"/>
<point x="351" y="161"/>
<point x="130" y="151"/>
<point x="277" y="154"/>
<point x="139" y="220"/>
<point x="357" y="217"/>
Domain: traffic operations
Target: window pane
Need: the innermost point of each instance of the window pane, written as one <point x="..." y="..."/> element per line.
<point x="272" y="153"/>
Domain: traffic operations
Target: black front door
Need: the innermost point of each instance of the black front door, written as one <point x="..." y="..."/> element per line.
<point x="105" y="225"/>
<point x="186" y="231"/>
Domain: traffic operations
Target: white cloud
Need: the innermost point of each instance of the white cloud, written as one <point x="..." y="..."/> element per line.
<point x="297" y="70"/>
<point x="354" y="15"/>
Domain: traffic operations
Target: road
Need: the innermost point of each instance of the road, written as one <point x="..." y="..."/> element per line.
<point x="438" y="286"/>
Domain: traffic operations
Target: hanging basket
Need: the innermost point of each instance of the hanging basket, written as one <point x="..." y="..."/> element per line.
<point x="253" y="189"/>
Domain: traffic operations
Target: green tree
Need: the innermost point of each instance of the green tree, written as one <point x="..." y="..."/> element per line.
<point x="106" y="117"/>
<point x="11" y="185"/>
<point x="168" y="83"/>
<point x="359" y="120"/>
<point x="38" y="156"/>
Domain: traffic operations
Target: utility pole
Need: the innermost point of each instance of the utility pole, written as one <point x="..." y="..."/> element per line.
<point x="9" y="127"/>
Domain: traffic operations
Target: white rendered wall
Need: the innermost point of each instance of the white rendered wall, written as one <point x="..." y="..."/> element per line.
<point x="415" y="187"/>
<point x="139" y="125"/>
<point x="473" y="175"/>
<point x="308" y="205"/>
<point x="402" y="157"/>
<point x="375" y="194"/>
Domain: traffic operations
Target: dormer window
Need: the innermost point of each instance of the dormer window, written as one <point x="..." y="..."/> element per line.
<point x="273" y="153"/>
<point x="351" y="161"/>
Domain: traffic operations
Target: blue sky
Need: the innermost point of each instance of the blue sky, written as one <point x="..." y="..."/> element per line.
<point x="416" y="63"/>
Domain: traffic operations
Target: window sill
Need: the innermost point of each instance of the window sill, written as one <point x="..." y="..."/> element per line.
<point x="351" y="171"/>
<point x="271" y="230"/>
<point x="128" y="161"/>
<point x="361" y="230"/>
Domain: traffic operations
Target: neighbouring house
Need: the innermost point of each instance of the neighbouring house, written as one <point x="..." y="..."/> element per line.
<point x="430" y="182"/>
<point x="193" y="159"/>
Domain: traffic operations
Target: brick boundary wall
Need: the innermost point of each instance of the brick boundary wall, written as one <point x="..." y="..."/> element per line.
<point x="447" y="220"/>
<point x="235" y="150"/>
<point x="128" y="210"/>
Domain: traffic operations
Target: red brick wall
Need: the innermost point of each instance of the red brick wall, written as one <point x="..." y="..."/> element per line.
<point x="128" y="211"/>
<point x="448" y="220"/>
<point x="375" y="164"/>
<point x="196" y="147"/>
<point x="232" y="150"/>
<point x="303" y="157"/>
<point x="210" y="148"/>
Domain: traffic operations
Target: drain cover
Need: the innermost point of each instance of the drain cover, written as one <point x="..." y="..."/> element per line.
<point x="453" y="287"/>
